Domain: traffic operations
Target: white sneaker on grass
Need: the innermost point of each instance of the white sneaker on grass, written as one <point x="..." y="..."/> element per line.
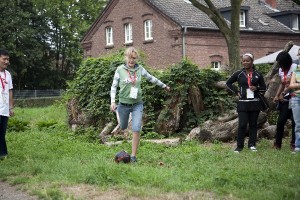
<point x="296" y="150"/>
<point x="253" y="148"/>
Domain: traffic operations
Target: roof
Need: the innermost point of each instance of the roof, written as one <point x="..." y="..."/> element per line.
<point x="185" y="14"/>
<point x="272" y="57"/>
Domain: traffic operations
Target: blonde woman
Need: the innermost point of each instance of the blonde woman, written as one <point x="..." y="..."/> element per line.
<point x="128" y="77"/>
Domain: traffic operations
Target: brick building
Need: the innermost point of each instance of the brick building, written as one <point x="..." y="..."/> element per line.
<point x="168" y="30"/>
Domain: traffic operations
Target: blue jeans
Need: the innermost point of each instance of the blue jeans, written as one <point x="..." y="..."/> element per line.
<point x="136" y="111"/>
<point x="295" y="105"/>
<point x="3" y="125"/>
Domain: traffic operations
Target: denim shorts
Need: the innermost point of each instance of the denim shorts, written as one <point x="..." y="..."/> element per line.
<point x="136" y="111"/>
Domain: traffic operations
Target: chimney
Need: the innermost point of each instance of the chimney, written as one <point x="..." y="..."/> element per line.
<point x="271" y="3"/>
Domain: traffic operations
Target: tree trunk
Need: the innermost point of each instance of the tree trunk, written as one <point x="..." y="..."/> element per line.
<point x="195" y="97"/>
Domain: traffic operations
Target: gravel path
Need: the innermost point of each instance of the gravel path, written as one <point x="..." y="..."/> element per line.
<point x="8" y="192"/>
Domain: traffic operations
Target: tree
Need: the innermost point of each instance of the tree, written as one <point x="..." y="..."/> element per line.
<point x="22" y="32"/>
<point x="68" y="20"/>
<point x="43" y="38"/>
<point x="297" y="1"/>
<point x="230" y="32"/>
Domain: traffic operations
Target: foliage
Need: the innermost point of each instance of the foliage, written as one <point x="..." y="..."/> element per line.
<point x="17" y="125"/>
<point x="43" y="38"/>
<point x="297" y="1"/>
<point x="263" y="68"/>
<point x="91" y="88"/>
<point x="50" y="162"/>
<point x="46" y="124"/>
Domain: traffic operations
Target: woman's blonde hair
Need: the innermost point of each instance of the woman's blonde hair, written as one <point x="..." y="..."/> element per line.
<point x="129" y="51"/>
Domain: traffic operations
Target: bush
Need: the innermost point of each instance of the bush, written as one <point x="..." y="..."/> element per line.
<point x="92" y="83"/>
<point x="17" y="125"/>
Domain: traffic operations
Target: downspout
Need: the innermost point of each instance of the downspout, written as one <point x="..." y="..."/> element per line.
<point x="183" y="42"/>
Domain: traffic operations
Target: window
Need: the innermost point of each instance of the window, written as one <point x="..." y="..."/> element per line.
<point x="148" y="29"/>
<point x="215" y="65"/>
<point x="128" y="33"/>
<point x="295" y="22"/>
<point x="243" y="19"/>
<point x="109" y="36"/>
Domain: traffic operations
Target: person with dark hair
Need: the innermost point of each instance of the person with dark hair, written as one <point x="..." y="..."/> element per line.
<point x="6" y="100"/>
<point x="251" y="84"/>
<point x="282" y="97"/>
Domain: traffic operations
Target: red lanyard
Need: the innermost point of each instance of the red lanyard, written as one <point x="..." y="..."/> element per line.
<point x="3" y="82"/>
<point x="133" y="80"/>
<point x="285" y="72"/>
<point x="249" y="77"/>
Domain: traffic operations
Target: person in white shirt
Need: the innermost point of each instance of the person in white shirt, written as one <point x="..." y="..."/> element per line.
<point x="6" y="100"/>
<point x="282" y="98"/>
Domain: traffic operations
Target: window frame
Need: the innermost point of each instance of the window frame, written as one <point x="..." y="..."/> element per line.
<point x="128" y="33"/>
<point x="109" y="36"/>
<point x="242" y="18"/>
<point x="148" y="29"/>
<point x="295" y="22"/>
<point x="214" y="63"/>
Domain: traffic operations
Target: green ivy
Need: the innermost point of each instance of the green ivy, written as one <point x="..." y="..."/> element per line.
<point x="92" y="83"/>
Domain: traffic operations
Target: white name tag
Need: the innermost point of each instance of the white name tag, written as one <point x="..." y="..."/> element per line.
<point x="250" y="94"/>
<point x="133" y="92"/>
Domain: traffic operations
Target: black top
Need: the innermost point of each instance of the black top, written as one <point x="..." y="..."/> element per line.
<point x="241" y="78"/>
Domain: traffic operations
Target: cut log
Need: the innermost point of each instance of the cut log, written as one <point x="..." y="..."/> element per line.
<point x="220" y="85"/>
<point x="103" y="136"/>
<point x="167" y="142"/>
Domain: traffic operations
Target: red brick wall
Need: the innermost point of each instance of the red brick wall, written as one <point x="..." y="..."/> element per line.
<point x="202" y="47"/>
<point x="161" y="52"/>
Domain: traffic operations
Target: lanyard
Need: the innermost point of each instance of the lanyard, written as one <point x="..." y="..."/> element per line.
<point x="133" y="80"/>
<point x="249" y="77"/>
<point x="285" y="72"/>
<point x="3" y="82"/>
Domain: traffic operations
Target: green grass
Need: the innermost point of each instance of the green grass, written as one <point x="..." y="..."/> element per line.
<point x="44" y="159"/>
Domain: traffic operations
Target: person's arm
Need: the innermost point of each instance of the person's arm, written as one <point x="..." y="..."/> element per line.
<point x="154" y="80"/>
<point x="279" y="94"/>
<point x="11" y="103"/>
<point x="230" y="86"/>
<point x="113" y="91"/>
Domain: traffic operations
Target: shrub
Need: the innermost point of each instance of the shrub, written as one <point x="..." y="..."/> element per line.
<point x="17" y="125"/>
<point x="92" y="83"/>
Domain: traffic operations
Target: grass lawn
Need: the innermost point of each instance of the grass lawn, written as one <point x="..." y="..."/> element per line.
<point x="52" y="162"/>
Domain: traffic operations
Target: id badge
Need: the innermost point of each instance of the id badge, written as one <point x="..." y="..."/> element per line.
<point x="250" y="94"/>
<point x="4" y="98"/>
<point x="133" y="92"/>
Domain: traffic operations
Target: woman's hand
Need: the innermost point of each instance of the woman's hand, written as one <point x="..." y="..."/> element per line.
<point x="253" y="88"/>
<point x="113" y="107"/>
<point x="167" y="88"/>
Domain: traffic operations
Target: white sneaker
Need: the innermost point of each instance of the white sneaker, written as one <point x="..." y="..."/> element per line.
<point x="253" y="148"/>
<point x="296" y="150"/>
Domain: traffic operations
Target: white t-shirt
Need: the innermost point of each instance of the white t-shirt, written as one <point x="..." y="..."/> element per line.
<point x="286" y="78"/>
<point x="5" y="86"/>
